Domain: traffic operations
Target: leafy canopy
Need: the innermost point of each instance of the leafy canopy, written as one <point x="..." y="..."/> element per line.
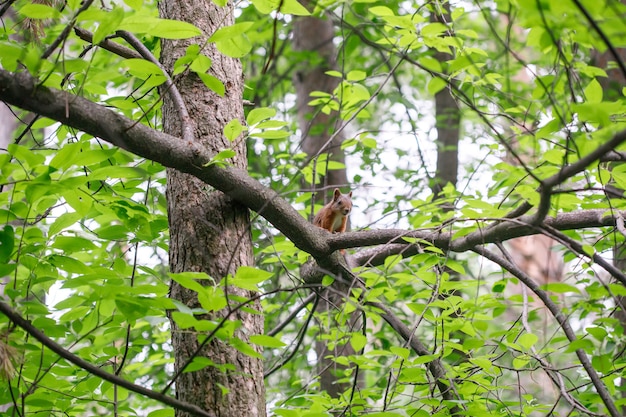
<point x="84" y="241"/>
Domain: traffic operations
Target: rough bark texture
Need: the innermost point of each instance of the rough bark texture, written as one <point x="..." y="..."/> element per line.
<point x="315" y="36"/>
<point x="447" y="116"/>
<point x="208" y="231"/>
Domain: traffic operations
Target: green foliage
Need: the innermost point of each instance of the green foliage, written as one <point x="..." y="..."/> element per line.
<point x="84" y="242"/>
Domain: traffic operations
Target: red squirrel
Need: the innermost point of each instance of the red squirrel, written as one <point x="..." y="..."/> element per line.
<point x="334" y="215"/>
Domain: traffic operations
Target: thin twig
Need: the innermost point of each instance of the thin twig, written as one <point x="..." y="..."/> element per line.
<point x="183" y="114"/>
<point x="560" y="318"/>
<point x="16" y="318"/>
<point x="292" y="315"/>
<point x="109" y="45"/>
<point x="553" y="374"/>
<point x="299" y="339"/>
<point x="66" y="31"/>
<point x="602" y="35"/>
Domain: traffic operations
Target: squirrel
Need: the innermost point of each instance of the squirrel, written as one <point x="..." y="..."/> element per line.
<point x="334" y="215"/>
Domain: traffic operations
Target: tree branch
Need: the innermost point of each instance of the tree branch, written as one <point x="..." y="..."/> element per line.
<point x="560" y="318"/>
<point x="172" y="90"/>
<point x="95" y="370"/>
<point x="187" y="156"/>
<point x="22" y="90"/>
<point x="109" y="45"/>
<point x="501" y="230"/>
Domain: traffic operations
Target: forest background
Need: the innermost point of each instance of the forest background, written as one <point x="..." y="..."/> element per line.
<point x="161" y="162"/>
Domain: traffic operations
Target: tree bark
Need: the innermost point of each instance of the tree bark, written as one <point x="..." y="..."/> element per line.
<point x="447" y="121"/>
<point x="315" y="36"/>
<point x="209" y="232"/>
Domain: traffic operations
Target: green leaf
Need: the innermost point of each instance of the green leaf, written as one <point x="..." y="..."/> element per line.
<point x="248" y="278"/>
<point x="69" y="264"/>
<point x="434" y="29"/>
<point x="132" y="308"/>
<point x="65" y="156"/>
<point x="7" y="243"/>
<point x="224" y="155"/>
<point x="484" y="363"/>
<point x="63" y="221"/>
<point x="245" y="348"/>
<point x="527" y="340"/>
<point x="39" y="11"/>
<point x="165" y="412"/>
<point x="358" y="341"/>
<point x="286" y="7"/>
<point x="213" y="83"/>
<point x="430" y="63"/>
<point x="73" y="244"/>
<point x="142" y="68"/>
<point x="381" y="11"/>
<point x="265" y="6"/>
<point x="258" y="114"/>
<point x="293" y="7"/>
<point x="597" y="332"/>
<point x="435" y="85"/>
<point x="116" y="171"/>
<point x="230" y="32"/>
<point x="584" y="344"/>
<point x="603" y="363"/>
<point x="160" y="28"/>
<point x="560" y="288"/>
<point x="233" y="129"/>
<point x="199" y="363"/>
<point x="356" y="75"/>
<point x="109" y="25"/>
<point x="266" y="341"/>
<point x="201" y="63"/>
<point x="236" y="47"/>
<point x="593" y="92"/>
<point x="520" y="362"/>
<point x="190" y="280"/>
<point x="400" y="351"/>
<point x="211" y="298"/>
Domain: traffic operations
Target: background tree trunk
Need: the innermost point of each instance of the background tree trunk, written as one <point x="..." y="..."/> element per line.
<point x="448" y="119"/>
<point x="612" y="86"/>
<point x="315" y="36"/>
<point x="208" y="231"/>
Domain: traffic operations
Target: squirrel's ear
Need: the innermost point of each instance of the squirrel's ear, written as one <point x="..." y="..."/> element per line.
<point x="336" y="193"/>
<point x="350" y="194"/>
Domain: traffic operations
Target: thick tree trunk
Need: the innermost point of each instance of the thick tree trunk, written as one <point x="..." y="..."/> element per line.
<point x="208" y="231"/>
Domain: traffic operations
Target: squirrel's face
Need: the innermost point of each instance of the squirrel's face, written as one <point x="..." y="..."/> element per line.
<point x="343" y="208"/>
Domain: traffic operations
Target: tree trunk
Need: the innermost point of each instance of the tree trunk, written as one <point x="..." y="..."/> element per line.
<point x="315" y="36"/>
<point x="209" y="232"/>
<point x="447" y="121"/>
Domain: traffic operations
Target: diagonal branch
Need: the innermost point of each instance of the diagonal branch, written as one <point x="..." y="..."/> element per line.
<point x="560" y="318"/>
<point x="22" y="90"/>
<point x="109" y="45"/>
<point x="568" y="171"/>
<point x="172" y="90"/>
<point x="95" y="370"/>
